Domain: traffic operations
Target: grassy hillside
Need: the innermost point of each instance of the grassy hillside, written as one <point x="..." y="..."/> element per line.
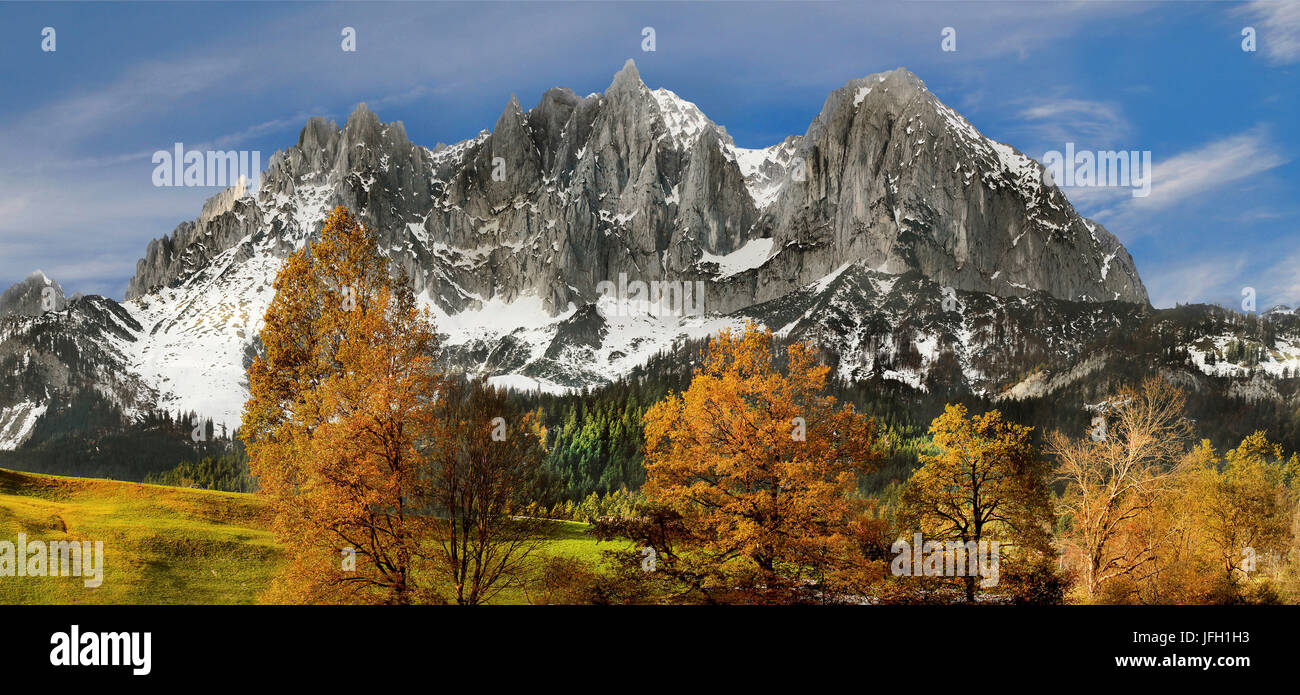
<point x="161" y="544"/>
<point x="167" y="544"/>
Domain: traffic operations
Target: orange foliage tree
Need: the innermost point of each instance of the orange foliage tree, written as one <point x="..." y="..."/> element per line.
<point x="761" y="467"/>
<point x="338" y="406"/>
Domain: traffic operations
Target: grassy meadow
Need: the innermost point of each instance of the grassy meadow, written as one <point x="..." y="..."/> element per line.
<point x="161" y="544"/>
<point x="167" y="544"/>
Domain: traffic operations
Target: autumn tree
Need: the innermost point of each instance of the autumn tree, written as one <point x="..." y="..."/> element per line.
<point x="1243" y="507"/>
<point x="338" y="402"/>
<point x="1220" y="533"/>
<point x="1171" y="534"/>
<point x="1115" y="476"/>
<point x="986" y="483"/>
<point x="759" y="467"/>
<point x="484" y="459"/>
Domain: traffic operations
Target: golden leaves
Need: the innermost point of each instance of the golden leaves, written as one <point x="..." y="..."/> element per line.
<point x="758" y="462"/>
<point x="336" y="405"/>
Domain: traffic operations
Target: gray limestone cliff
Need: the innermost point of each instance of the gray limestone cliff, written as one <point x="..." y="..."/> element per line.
<point x="578" y="190"/>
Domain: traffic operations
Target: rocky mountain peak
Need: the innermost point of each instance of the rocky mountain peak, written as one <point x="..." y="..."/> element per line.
<point x="684" y="119"/>
<point x="908" y="183"/>
<point x="32" y="296"/>
<point x="319" y="132"/>
<point x="362" y="119"/>
<point x="364" y="130"/>
<point x="511" y="118"/>
<point x="626" y="80"/>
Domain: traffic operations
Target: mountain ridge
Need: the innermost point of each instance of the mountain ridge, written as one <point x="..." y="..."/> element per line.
<point x="508" y="236"/>
<point x="545" y="143"/>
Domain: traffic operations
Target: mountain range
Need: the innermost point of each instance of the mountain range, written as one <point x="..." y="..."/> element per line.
<point x="913" y="248"/>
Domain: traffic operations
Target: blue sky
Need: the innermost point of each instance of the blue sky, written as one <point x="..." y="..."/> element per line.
<point x="78" y="126"/>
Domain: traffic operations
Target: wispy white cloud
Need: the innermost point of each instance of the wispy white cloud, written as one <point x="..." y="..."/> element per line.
<point x="259" y="129"/>
<point x="1210" y="168"/>
<point x="89" y="113"/>
<point x="1089" y="124"/>
<point x="1213" y="279"/>
<point x="1206" y="173"/>
<point x="1277" y="27"/>
<point x="402" y="98"/>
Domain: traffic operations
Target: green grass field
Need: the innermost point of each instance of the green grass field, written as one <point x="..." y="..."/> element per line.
<point x="161" y="544"/>
<point x="168" y="545"/>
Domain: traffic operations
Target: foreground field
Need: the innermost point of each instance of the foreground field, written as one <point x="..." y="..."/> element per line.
<point x="161" y="544"/>
<point x="165" y="544"/>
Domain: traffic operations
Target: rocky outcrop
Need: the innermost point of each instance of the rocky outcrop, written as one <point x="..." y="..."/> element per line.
<point x="895" y="178"/>
<point x="33" y="296"/>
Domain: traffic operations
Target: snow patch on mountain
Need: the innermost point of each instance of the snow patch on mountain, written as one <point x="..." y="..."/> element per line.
<point x="1283" y="357"/>
<point x="766" y="170"/>
<point x="17" y="422"/>
<point x="528" y="384"/>
<point x="494" y="318"/>
<point x="192" y="350"/>
<point x="684" y="119"/>
<point x="752" y="255"/>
